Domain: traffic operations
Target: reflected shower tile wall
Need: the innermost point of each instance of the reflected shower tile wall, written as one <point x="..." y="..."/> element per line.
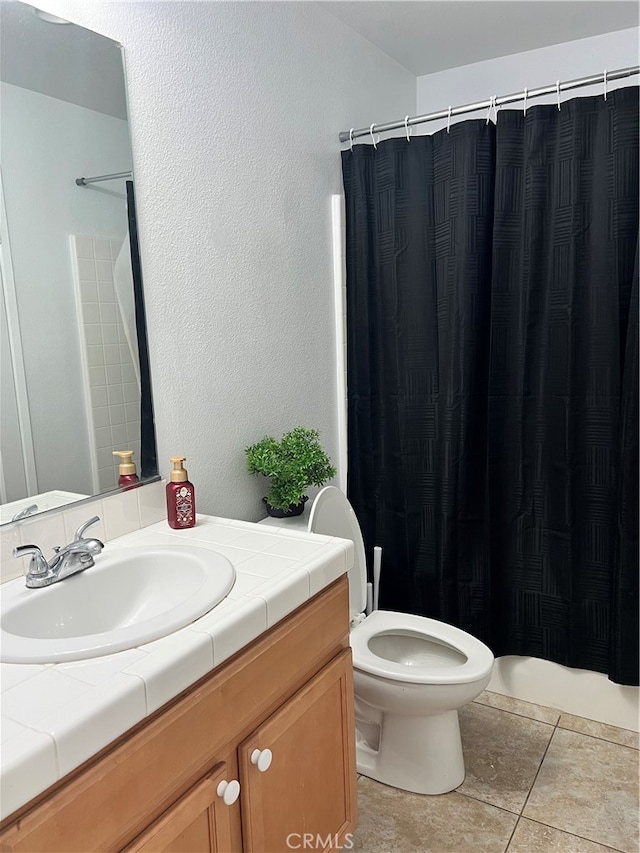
<point x="115" y="395"/>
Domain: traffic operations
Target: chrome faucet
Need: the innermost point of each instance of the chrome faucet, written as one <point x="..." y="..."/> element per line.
<point x="73" y="558"/>
<point x="25" y="512"/>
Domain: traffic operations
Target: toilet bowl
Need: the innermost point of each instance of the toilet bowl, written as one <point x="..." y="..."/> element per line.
<point x="411" y="674"/>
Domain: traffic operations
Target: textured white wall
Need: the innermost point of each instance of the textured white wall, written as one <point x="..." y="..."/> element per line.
<point x="235" y="110"/>
<point x="468" y="84"/>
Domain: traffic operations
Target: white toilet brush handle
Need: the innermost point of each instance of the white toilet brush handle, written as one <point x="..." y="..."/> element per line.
<point x="369" y="606"/>
<point x="377" y="563"/>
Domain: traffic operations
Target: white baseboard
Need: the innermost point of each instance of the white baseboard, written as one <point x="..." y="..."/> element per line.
<point x="574" y="691"/>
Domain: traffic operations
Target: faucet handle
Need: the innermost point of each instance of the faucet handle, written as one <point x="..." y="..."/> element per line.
<point x="38" y="564"/>
<point x="81" y="530"/>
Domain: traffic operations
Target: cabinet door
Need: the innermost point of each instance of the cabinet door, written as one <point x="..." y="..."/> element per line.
<point x="200" y="822"/>
<point x="309" y="788"/>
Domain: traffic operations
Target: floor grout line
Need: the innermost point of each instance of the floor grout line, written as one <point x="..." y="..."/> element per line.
<point x="535" y="778"/>
<point x="599" y="737"/>
<point x="526" y="799"/>
<point x="519" y="814"/>
<point x="558" y="711"/>
<point x="573" y="834"/>
<point x="564" y="728"/>
<point x="484" y="802"/>
<point x="517" y="714"/>
<point x="510" y="839"/>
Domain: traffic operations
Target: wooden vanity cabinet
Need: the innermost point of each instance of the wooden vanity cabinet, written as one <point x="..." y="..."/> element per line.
<point x="277" y="718"/>
<point x="199" y="822"/>
<point x="309" y="787"/>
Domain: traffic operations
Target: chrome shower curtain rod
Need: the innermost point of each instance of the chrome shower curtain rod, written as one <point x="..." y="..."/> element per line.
<point x="492" y="103"/>
<point x="82" y="182"/>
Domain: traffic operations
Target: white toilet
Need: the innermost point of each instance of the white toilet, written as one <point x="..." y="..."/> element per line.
<point x="411" y="674"/>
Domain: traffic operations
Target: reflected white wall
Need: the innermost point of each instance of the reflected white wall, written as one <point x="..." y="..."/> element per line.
<point x="46" y="144"/>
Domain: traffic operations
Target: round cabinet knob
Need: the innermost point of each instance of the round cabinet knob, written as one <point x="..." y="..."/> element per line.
<point x="229" y="791"/>
<point x="262" y="758"/>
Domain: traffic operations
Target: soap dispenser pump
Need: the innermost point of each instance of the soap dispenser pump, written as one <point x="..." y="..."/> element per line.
<point x="127" y="469"/>
<point x="181" y="497"/>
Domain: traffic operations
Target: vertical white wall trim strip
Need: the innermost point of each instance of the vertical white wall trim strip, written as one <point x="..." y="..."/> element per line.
<point x="338" y="232"/>
<point x="15" y="343"/>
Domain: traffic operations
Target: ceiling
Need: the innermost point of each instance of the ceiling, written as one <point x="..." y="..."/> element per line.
<point x="431" y="35"/>
<point x="424" y="36"/>
<point x="63" y="61"/>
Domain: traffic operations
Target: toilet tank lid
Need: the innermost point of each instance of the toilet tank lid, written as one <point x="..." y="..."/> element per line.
<point x="333" y="515"/>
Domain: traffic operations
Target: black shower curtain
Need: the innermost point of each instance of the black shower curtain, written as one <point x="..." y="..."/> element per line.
<point x="148" y="454"/>
<point x="492" y="343"/>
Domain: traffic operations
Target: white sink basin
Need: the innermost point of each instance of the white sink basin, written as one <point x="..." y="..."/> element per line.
<point x="130" y="597"/>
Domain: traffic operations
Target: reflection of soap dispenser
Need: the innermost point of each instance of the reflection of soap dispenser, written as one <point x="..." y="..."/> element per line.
<point x="181" y="497"/>
<point x="127" y="469"/>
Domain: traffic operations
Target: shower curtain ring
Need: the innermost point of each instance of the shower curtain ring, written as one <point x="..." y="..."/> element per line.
<point x="372" y="137"/>
<point x="351" y="139"/>
<point x="406" y="128"/>
<point x="492" y="106"/>
<point x="525" y="100"/>
<point x="605" y="84"/>
<point x="558" y="93"/>
<point x="449" y="118"/>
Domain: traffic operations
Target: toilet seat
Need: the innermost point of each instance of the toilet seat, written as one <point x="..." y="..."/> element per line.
<point x="333" y="515"/>
<point x="479" y="659"/>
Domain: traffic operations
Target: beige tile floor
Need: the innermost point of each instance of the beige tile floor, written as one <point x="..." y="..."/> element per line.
<point x="537" y="781"/>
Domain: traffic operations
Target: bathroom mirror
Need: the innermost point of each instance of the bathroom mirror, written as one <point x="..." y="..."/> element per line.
<point x="74" y="377"/>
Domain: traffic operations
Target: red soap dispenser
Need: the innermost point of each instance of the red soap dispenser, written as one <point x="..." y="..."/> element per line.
<point x="127" y="469"/>
<point x="181" y="497"/>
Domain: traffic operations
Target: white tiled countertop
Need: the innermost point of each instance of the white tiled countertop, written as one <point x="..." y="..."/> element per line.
<point x="56" y="716"/>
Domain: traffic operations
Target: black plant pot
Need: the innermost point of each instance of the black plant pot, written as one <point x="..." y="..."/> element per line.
<point x="294" y="509"/>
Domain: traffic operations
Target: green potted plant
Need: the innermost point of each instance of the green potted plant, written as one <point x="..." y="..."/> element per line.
<point x="292" y="464"/>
